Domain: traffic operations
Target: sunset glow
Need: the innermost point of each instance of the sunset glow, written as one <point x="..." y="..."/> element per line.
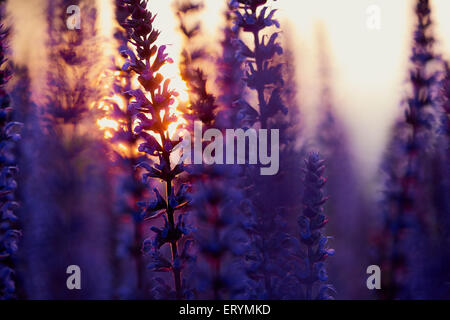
<point x="224" y="150"/>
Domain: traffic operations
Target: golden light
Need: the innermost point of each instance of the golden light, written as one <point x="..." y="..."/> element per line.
<point x="108" y="134"/>
<point x="369" y="67"/>
<point x="119" y="101"/>
<point x="123" y="148"/>
<point x="174" y="126"/>
<point x="170" y="37"/>
<point x="106" y="123"/>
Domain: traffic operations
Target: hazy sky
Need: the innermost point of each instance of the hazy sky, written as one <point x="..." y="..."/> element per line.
<point x="369" y="66"/>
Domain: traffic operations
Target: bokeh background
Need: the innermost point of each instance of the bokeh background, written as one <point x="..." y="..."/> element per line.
<point x="346" y="86"/>
<point x="368" y="66"/>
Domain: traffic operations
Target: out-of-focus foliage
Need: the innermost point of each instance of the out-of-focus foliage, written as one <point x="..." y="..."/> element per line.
<point x="9" y="136"/>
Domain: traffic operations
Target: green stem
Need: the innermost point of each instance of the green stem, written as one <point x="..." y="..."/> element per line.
<point x="173" y="244"/>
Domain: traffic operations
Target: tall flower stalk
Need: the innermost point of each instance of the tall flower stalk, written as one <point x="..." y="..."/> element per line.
<point x="312" y="272"/>
<point x="263" y="212"/>
<point x="152" y="109"/>
<point x="202" y="105"/>
<point x="407" y="201"/>
<point x="219" y="237"/>
<point x="124" y="143"/>
<point x="438" y="257"/>
<point x="68" y="177"/>
<point x="9" y="135"/>
<point x="73" y="64"/>
<point x="262" y="76"/>
<point x="230" y="74"/>
<point x="444" y="140"/>
<point x="215" y="198"/>
<point x="346" y="205"/>
<point x="445" y="116"/>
